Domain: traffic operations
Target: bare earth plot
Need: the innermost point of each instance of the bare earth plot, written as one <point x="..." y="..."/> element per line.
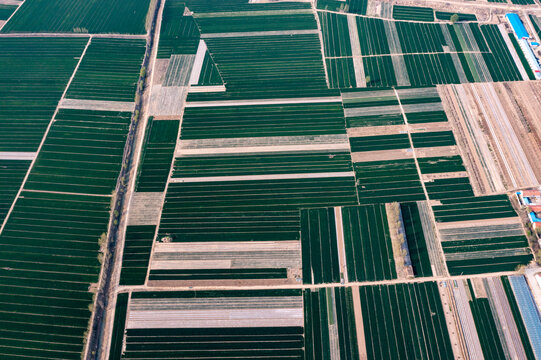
<point x="498" y="133"/>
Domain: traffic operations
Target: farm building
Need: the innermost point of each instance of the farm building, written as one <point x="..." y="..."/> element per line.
<point x="517" y="25"/>
<point x="535" y="216"/>
<point x="529" y="197"/>
<point x="522" y="37"/>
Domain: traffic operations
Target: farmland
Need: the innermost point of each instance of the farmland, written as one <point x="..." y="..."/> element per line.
<point x="323" y="179"/>
<point x="109" y="71"/>
<point x="32" y="67"/>
<point x="66" y="16"/>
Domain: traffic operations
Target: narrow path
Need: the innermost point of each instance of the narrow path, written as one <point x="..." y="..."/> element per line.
<point x="44" y="34"/>
<point x="45" y="135"/>
<point x="414" y="152"/>
<point x="143" y="288"/>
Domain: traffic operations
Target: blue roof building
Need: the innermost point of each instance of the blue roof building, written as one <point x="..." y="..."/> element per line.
<point x="517" y="25"/>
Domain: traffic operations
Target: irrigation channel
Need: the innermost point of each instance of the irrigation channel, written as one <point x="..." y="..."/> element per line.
<point x="97" y="334"/>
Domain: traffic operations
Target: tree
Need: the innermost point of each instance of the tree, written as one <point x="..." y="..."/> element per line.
<point x="454" y="18"/>
<point x="367" y="79"/>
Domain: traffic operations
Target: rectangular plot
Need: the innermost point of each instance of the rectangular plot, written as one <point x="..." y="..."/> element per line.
<point x="388" y="181"/>
<point x="341" y="73"/>
<point x="371" y="37"/>
<point x="381" y="142"/>
<point x="45" y="233"/>
<point x="35" y="72"/>
<point x="334" y="28"/>
<point x="109" y="70"/>
<point x="320" y="262"/>
<point x="263" y="120"/>
<point x="439" y="189"/>
<point x="136" y="255"/>
<point x="179" y="34"/>
<point x="157" y="155"/>
<point x="369" y="253"/>
<point x="416" y="13"/>
<point x="267" y="209"/>
<point x="474" y="208"/>
<point x="413" y="321"/>
<point x="379" y="71"/>
<point x="252" y="342"/>
<point x="434" y="165"/>
<point x="255" y="164"/>
<point x="416" y="240"/>
<point x="82" y="153"/>
<point x="81" y="16"/>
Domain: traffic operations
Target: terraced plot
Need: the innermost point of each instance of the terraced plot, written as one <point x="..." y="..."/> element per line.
<point x="34" y="72"/>
<point x="157" y="155"/>
<point x="136" y="255"/>
<point x="369" y="253"/>
<point x="329" y="324"/>
<point x="415" y="237"/>
<point x="320" y="262"/>
<point x="262" y="120"/>
<point x="267" y="209"/>
<point x="12" y="173"/>
<point x="109" y="70"/>
<point x="48" y="262"/>
<point x="95" y="16"/>
<point x="388" y="181"/>
<point x="250" y="164"/>
<point x="404" y="320"/>
<point x="82" y="153"/>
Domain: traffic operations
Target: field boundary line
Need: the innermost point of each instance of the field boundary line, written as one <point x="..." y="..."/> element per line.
<point x="262" y="177"/>
<point x="259" y="33"/>
<point x="275" y="101"/>
<point x="192" y="287"/>
<point x="45" y="135"/>
<point x="66" y="193"/>
<point x="320" y="37"/>
<point x="420" y="174"/>
<point x="68" y="35"/>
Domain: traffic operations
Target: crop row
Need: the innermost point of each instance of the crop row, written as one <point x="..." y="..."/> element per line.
<point x="380" y="142"/>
